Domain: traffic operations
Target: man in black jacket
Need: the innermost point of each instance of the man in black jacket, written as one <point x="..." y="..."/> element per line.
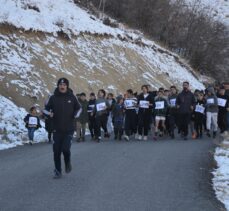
<point x="185" y="103"/>
<point x="63" y="107"/>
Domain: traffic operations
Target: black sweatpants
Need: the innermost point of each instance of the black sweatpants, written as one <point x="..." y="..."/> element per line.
<point x="184" y="120"/>
<point x="62" y="143"/>
<point x="144" y="120"/>
<point x="222" y="121"/>
<point x="198" y="123"/>
<point x="101" y="122"/>
<point x="92" y="125"/>
<point x="172" y="123"/>
<point x="130" y="122"/>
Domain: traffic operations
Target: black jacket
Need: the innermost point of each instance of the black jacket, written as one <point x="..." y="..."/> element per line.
<point x="146" y="110"/>
<point x="26" y="120"/>
<point x="65" y="107"/>
<point x="185" y="100"/>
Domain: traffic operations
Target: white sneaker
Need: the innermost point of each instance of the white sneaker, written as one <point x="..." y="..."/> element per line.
<point x="145" y="138"/>
<point x="136" y="136"/>
<point x="140" y="137"/>
<point x="126" y="138"/>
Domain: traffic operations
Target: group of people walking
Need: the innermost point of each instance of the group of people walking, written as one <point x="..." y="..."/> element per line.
<point x="130" y="116"/>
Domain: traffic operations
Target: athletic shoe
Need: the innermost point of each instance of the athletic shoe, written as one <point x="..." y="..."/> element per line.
<point x="57" y="174"/>
<point x="31" y="143"/>
<point x="126" y="138"/>
<point x="136" y="136"/>
<point x="78" y="140"/>
<point x="145" y="138"/>
<point x="214" y="134"/>
<point x="68" y="167"/>
<point x="185" y="138"/>
<point x="140" y="137"/>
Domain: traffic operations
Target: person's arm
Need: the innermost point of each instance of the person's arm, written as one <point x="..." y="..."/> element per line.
<point x="178" y="101"/>
<point x="77" y="108"/>
<point x="26" y="119"/>
<point x="48" y="111"/>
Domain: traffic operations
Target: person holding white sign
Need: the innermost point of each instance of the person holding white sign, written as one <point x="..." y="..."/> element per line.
<point x="145" y="102"/>
<point x="160" y="110"/>
<point x="32" y="123"/>
<point x="223" y="102"/>
<point x="172" y="117"/>
<point x="130" y="105"/>
<point x="212" y="111"/>
<point x="101" y="115"/>
<point x="199" y="114"/>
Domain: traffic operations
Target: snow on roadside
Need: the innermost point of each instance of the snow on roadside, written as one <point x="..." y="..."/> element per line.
<point x="221" y="174"/>
<point x="12" y="127"/>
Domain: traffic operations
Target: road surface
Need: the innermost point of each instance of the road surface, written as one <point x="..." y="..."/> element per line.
<point x="168" y="175"/>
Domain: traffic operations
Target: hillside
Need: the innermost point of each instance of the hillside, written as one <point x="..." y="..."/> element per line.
<point x="38" y="50"/>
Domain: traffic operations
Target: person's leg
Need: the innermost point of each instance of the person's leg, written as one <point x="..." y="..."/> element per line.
<point x="208" y="121"/>
<point x="83" y="132"/>
<point x="147" y="120"/>
<point x="228" y="120"/>
<point x="90" y="126"/>
<point x="104" y="120"/>
<point x="127" y="124"/>
<point x="66" y="148"/>
<point x="98" y="127"/>
<point x="57" y="149"/>
<point x="214" y="120"/>
<point x="186" y="124"/>
<point x="78" y="130"/>
<point x="140" y="125"/>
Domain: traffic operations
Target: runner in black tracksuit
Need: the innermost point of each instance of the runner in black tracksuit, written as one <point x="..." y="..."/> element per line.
<point x="64" y="108"/>
<point x="145" y="102"/>
<point x="130" y="105"/>
<point x="185" y="103"/>
<point x="91" y="117"/>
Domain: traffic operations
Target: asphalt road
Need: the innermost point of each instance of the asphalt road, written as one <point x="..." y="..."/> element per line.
<point x="166" y="175"/>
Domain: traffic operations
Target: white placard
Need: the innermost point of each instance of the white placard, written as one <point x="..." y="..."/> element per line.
<point x="173" y="102"/>
<point x="222" y="102"/>
<point x="144" y="104"/>
<point x="199" y="109"/>
<point x="160" y="105"/>
<point x="32" y="121"/>
<point x="101" y="106"/>
<point x="210" y="101"/>
<point x="129" y="103"/>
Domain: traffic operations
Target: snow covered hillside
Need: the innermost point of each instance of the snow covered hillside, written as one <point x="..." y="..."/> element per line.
<point x="219" y="8"/>
<point x="12" y="127"/>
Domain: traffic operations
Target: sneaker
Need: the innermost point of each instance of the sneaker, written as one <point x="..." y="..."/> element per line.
<point x="78" y="140"/>
<point x="68" y="167"/>
<point x="57" y="174"/>
<point x="30" y="143"/>
<point x="208" y="134"/>
<point x="140" y="137"/>
<point x="126" y="138"/>
<point x="99" y="139"/>
<point x="185" y="138"/>
<point x="214" y="134"/>
<point x="136" y="136"/>
<point x="145" y="138"/>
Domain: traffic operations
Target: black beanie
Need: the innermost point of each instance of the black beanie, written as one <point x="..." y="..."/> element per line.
<point x="64" y="81"/>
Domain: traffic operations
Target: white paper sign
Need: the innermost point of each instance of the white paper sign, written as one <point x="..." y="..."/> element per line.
<point x="210" y="101"/>
<point x="32" y="121"/>
<point x="129" y="103"/>
<point x="199" y="109"/>
<point x="144" y="104"/>
<point x="173" y="102"/>
<point x="222" y="102"/>
<point x="101" y="106"/>
<point x="160" y="105"/>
